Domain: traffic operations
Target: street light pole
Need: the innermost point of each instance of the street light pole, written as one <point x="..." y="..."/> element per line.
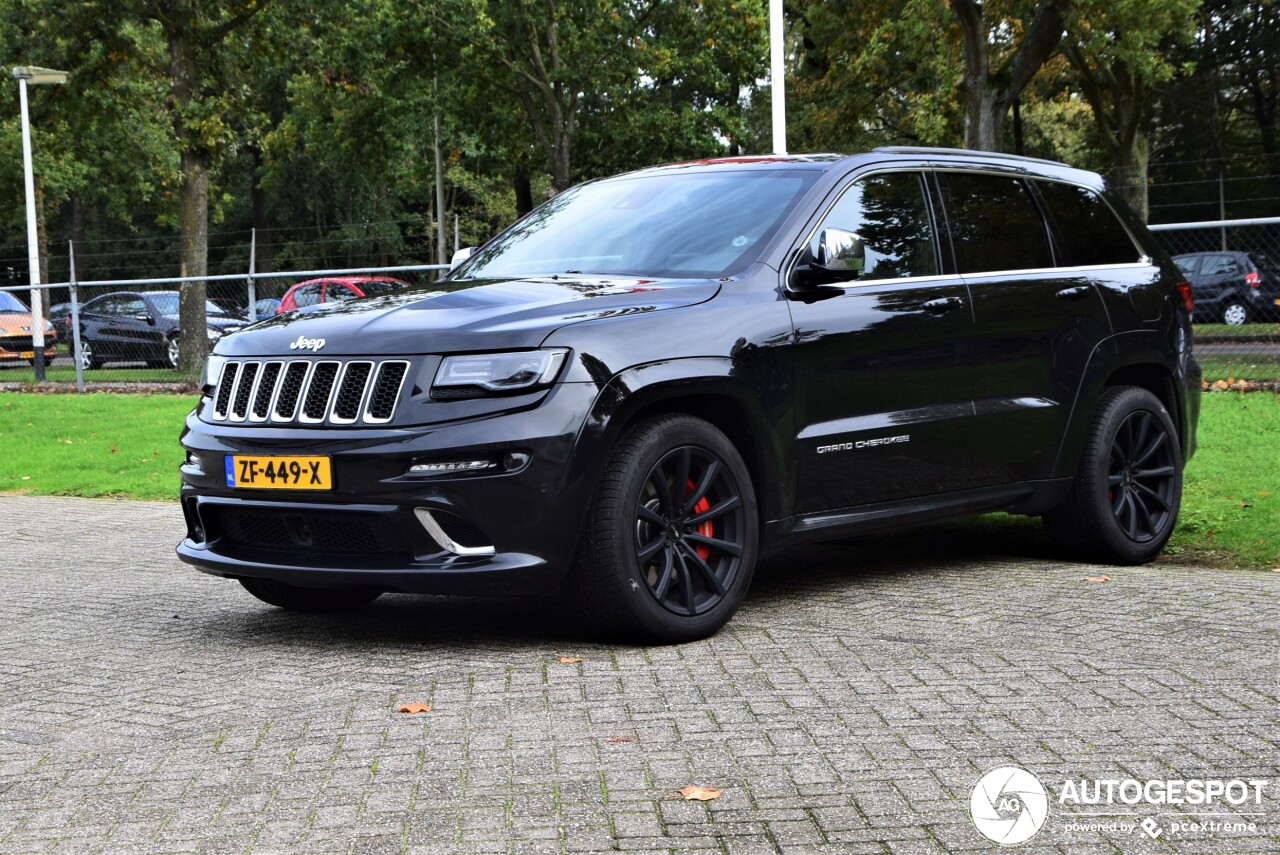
<point x="35" y="76"/>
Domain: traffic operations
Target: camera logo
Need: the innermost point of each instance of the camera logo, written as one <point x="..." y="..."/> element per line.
<point x="1009" y="805"/>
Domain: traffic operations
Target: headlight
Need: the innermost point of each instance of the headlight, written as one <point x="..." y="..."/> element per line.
<point x="213" y="369"/>
<point x="475" y="375"/>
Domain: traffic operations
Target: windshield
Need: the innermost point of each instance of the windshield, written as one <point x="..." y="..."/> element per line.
<point x="10" y="303"/>
<point x="701" y="224"/>
<point x="167" y="304"/>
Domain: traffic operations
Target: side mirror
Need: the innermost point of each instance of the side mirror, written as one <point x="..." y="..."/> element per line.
<point x="460" y="256"/>
<point x="143" y="316"/>
<point x="841" y="252"/>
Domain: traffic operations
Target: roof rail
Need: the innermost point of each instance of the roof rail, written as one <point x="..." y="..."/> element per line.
<point x="963" y="152"/>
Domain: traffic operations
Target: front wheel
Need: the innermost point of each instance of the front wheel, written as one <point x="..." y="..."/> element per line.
<point x="296" y="598"/>
<point x="1124" y="503"/>
<point x="670" y="542"/>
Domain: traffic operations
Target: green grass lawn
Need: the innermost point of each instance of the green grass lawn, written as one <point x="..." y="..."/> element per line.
<point x="127" y="445"/>
<point x="92" y="445"/>
<point x="1238" y="331"/>
<point x="1255" y="368"/>
<point x="24" y="373"/>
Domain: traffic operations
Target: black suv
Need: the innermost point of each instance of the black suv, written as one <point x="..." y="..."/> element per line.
<point x="1232" y="287"/>
<point x="650" y="381"/>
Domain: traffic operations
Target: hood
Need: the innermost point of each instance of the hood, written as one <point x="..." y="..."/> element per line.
<point x="17" y="323"/>
<point x="469" y="314"/>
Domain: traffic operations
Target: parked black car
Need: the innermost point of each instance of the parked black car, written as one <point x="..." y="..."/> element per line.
<point x="652" y="380"/>
<point x="129" y="326"/>
<point x="1232" y="287"/>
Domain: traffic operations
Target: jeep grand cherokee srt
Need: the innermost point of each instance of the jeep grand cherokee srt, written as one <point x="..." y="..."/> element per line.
<point x="652" y="380"/>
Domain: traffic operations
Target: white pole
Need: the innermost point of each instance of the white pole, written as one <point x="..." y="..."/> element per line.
<point x="33" y="241"/>
<point x="777" y="80"/>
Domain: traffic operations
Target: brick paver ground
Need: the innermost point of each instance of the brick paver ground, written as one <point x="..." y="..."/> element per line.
<point x="850" y="707"/>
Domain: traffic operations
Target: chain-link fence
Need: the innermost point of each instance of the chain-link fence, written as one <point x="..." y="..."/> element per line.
<point x="126" y="331"/>
<point x="1234" y="270"/>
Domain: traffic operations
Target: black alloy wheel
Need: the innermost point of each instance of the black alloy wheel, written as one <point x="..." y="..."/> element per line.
<point x="689" y="530"/>
<point x="1123" y="504"/>
<point x="669" y="546"/>
<point x="1142" y="477"/>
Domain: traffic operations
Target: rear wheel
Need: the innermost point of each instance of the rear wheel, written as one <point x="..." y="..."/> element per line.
<point x="670" y="543"/>
<point x="299" y="599"/>
<point x="1128" y="486"/>
<point x="1235" y="313"/>
<point x="172" y="351"/>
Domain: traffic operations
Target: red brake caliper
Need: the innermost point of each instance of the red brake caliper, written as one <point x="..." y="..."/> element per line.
<point x="706" y="529"/>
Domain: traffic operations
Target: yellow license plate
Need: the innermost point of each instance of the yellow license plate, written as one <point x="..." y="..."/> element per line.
<point x="279" y="473"/>
<point x="29" y="354"/>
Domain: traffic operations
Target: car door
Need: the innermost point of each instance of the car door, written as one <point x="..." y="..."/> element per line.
<point x="884" y="399"/>
<point x="135" y="329"/>
<point x="1036" y="323"/>
<point x="93" y="318"/>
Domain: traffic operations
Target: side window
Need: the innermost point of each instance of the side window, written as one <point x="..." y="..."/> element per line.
<point x="995" y="224"/>
<point x="100" y="306"/>
<point x="308" y="295"/>
<point x="1087" y="230"/>
<point x="340" y="292"/>
<point x="1220" y="265"/>
<point x="1187" y="264"/>
<point x="131" y="306"/>
<point x="890" y="213"/>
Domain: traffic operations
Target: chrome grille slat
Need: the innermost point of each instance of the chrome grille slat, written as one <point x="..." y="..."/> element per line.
<point x="308" y="391"/>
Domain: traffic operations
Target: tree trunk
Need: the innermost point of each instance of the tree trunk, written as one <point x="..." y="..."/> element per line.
<point x="988" y="91"/>
<point x="42" y="241"/>
<point x="264" y="252"/>
<point x="523" y="186"/>
<point x="193" y="223"/>
<point x="1129" y="175"/>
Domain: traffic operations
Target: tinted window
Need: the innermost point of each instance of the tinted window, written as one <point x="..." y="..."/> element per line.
<point x="1087" y="230"/>
<point x="307" y="295"/>
<point x="1220" y="265"/>
<point x="1187" y="264"/>
<point x="995" y="224"/>
<point x="129" y="306"/>
<point x="891" y="215"/>
<point x="381" y="286"/>
<point x="340" y="292"/>
<point x="667" y="223"/>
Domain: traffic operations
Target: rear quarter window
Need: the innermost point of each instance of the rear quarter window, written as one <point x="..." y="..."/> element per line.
<point x="1085" y="227"/>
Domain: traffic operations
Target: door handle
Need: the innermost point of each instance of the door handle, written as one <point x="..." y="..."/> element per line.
<point x="1074" y="293"/>
<point x="943" y="304"/>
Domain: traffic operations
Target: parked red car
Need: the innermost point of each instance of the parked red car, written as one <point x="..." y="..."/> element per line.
<point x="313" y="292"/>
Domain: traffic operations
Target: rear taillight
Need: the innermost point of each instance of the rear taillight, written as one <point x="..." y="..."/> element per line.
<point x="1253" y="280"/>
<point x="1184" y="288"/>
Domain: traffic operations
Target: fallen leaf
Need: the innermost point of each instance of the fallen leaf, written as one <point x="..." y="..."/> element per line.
<point x="1097" y="578"/>
<point x="26" y="477"/>
<point x="700" y="794"/>
<point x="414" y="708"/>
<point x="629" y="739"/>
<point x="570" y="660"/>
<point x="115" y="450"/>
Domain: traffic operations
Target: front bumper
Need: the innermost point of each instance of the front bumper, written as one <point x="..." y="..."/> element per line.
<point x="369" y="531"/>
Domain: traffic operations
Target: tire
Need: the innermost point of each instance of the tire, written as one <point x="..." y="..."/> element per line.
<point x="295" y="598"/>
<point x="1124" y="503"/>
<point x="654" y="567"/>
<point x="1235" y="313"/>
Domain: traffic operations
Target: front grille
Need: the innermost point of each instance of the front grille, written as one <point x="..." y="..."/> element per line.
<point x="311" y="532"/>
<point x="16" y="343"/>
<point x="309" y="391"/>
